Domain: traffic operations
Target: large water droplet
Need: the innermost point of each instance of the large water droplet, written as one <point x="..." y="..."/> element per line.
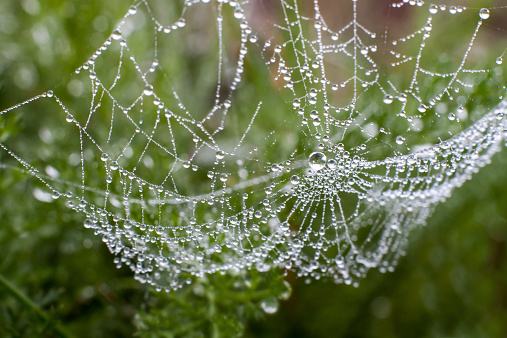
<point x="269" y="305"/>
<point x="181" y="23"/>
<point x="239" y="14"/>
<point x="484" y="13"/>
<point x="400" y="139"/>
<point x="402" y="97"/>
<point x="88" y="223"/>
<point x="388" y="99"/>
<point x="433" y="9"/>
<point x="220" y="155"/>
<point x="317" y="160"/>
<point x="294" y="179"/>
<point x="148" y="90"/>
<point x="132" y="10"/>
<point x="116" y="34"/>
<point x="499" y="60"/>
<point x="287" y="292"/>
<point x="332" y="164"/>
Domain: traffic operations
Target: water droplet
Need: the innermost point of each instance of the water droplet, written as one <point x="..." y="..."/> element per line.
<point x="287" y="292"/>
<point x="239" y="14"/>
<point x="148" y="90"/>
<point x="88" y="223"/>
<point x="433" y="9"/>
<point x="499" y="60"/>
<point x="296" y="103"/>
<point x="50" y="93"/>
<point x="317" y="160"/>
<point x="294" y="179"/>
<point x="104" y="157"/>
<point x="400" y="139"/>
<point x="220" y="155"/>
<point x="223" y="177"/>
<point x="181" y="23"/>
<point x="116" y="35"/>
<point x="332" y="163"/>
<point x="269" y="305"/>
<point x="132" y="10"/>
<point x="127" y="224"/>
<point x="388" y="99"/>
<point x="484" y="13"/>
<point x="69" y="118"/>
<point x="421" y="108"/>
<point x="114" y="165"/>
<point x="451" y="116"/>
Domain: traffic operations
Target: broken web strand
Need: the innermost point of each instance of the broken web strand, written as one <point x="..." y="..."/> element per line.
<point x="334" y="207"/>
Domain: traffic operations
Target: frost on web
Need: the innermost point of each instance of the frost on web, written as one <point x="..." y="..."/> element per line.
<point x="185" y="166"/>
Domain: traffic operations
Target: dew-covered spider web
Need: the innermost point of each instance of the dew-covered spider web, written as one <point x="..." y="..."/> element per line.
<point x="209" y="136"/>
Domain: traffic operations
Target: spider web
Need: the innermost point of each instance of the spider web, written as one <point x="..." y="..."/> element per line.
<point x="185" y="169"/>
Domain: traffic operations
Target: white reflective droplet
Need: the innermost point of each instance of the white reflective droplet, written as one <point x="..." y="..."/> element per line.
<point x="400" y="139"/>
<point x="132" y="10"/>
<point x="148" y="90"/>
<point x="116" y="35"/>
<point x="238" y="13"/>
<point x="269" y="305"/>
<point x="332" y="163"/>
<point x="484" y="13"/>
<point x="294" y="179"/>
<point x="317" y="160"/>
<point x="388" y="99"/>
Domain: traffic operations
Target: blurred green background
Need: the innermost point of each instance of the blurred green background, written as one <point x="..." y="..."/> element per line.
<point x="453" y="281"/>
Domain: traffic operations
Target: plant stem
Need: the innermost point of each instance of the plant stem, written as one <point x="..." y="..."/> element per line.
<point x="58" y="329"/>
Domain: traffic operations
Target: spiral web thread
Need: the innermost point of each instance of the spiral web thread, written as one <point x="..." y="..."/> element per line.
<point x="178" y="192"/>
